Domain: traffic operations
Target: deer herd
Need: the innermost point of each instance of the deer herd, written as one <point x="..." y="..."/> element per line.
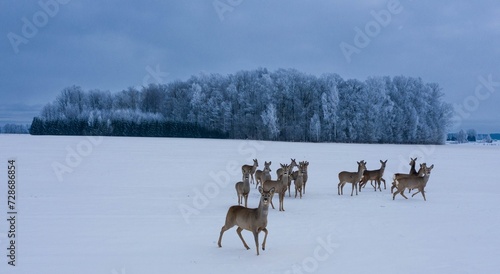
<point x="255" y="219"/>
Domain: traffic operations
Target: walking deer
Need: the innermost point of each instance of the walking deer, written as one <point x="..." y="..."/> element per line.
<point x="413" y="172"/>
<point x="251" y="169"/>
<point x="351" y="177"/>
<point x="374" y="175"/>
<point x="279" y="185"/>
<point x="251" y="219"/>
<point x="243" y="188"/>
<point x="263" y="175"/>
<point x="414" y="182"/>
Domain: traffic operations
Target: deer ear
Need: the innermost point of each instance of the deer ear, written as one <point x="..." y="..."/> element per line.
<point x="271" y="190"/>
<point x="260" y="189"/>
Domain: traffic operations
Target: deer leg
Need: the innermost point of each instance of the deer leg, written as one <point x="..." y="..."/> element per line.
<point x="393" y="186"/>
<point x="272" y="201"/>
<point x="265" y="237"/>
<point x="384" y="182"/>
<point x="419" y="191"/>
<point x="241" y="237"/>
<point x="354" y="186"/>
<point x="304" y="188"/>
<point x="339" y="187"/>
<point x="222" y="230"/>
<point x="256" y="238"/>
<point x="402" y="192"/>
<point x="246" y="199"/>
<point x="281" y="198"/>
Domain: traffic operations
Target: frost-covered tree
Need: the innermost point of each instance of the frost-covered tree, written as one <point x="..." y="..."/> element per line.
<point x="270" y="121"/>
<point x="315" y="128"/>
<point x="285" y="105"/>
<point x="471" y="135"/>
<point x="462" y="137"/>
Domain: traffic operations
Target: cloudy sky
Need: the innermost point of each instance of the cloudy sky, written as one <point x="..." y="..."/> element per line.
<point x="48" y="45"/>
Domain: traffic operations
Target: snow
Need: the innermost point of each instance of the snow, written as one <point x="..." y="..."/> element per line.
<point x="156" y="205"/>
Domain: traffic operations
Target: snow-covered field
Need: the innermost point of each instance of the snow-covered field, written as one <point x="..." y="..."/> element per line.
<point x="156" y="205"/>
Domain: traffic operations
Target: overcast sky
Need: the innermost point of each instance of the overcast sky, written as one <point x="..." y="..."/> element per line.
<point x="48" y="45"/>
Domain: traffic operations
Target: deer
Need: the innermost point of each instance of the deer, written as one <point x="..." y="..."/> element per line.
<point x="299" y="179"/>
<point x="304" y="171"/>
<point x="243" y="188"/>
<point x="413" y="172"/>
<point x="374" y="175"/>
<point x="251" y="169"/>
<point x="414" y="182"/>
<point x="279" y="185"/>
<point x="293" y="164"/>
<point x="251" y="219"/>
<point x="351" y="177"/>
<point x="263" y="175"/>
<point x="293" y="177"/>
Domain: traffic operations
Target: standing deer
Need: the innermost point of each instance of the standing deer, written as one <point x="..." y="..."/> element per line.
<point x="373" y="175"/>
<point x="299" y="180"/>
<point x="414" y="182"/>
<point x="293" y="177"/>
<point x="251" y="219"/>
<point x="251" y="169"/>
<point x="243" y="188"/>
<point x="263" y="175"/>
<point x="413" y="171"/>
<point x="351" y="177"/>
<point x="280" y="185"/>
<point x="293" y="164"/>
<point x="304" y="171"/>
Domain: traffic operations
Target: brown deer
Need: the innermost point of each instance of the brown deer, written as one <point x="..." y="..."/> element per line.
<point x="304" y="171"/>
<point x="263" y="175"/>
<point x="243" y="188"/>
<point x="351" y="177"/>
<point x="293" y="177"/>
<point x="279" y="185"/>
<point x="293" y="164"/>
<point x="299" y="179"/>
<point x="412" y="172"/>
<point x="251" y="219"/>
<point x="414" y="182"/>
<point x="373" y="175"/>
<point x="251" y="169"/>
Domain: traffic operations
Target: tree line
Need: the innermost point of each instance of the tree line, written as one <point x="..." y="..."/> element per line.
<point x="282" y="105"/>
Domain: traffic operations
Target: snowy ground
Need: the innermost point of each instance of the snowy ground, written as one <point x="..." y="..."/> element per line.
<point x="156" y="205"/>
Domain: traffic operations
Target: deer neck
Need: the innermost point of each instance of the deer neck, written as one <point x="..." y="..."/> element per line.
<point x="412" y="169"/>
<point x="426" y="178"/>
<point x="360" y="171"/>
<point x="284" y="178"/>
<point x="262" y="210"/>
